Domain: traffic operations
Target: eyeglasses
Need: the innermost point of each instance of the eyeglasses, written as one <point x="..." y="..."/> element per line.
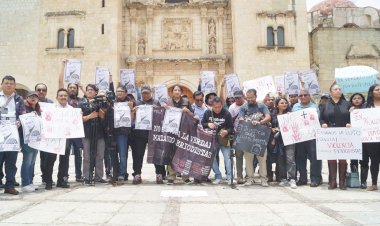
<point x="198" y="100"/>
<point x="41" y="90"/>
<point x="304" y="95"/>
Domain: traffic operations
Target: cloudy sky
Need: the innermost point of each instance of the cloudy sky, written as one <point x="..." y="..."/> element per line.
<point x="360" y="3"/>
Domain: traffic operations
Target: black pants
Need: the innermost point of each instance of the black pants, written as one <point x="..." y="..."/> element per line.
<point x="305" y="150"/>
<point x="114" y="155"/>
<point x="48" y="166"/>
<point x="63" y="167"/>
<point x="43" y="164"/>
<point x="371" y="151"/>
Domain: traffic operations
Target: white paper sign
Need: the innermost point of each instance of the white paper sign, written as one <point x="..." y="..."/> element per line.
<point x="208" y="81"/>
<point x="73" y="71"/>
<point x="122" y="115"/>
<point x="144" y="117"/>
<point x="127" y="79"/>
<point x="263" y="86"/>
<point x="311" y="81"/>
<point x="339" y="143"/>
<point x="31" y="127"/>
<point x="292" y="83"/>
<point x="62" y="123"/>
<point x="172" y="120"/>
<point x="368" y="120"/>
<point x="50" y="145"/>
<point x="161" y="93"/>
<point x="10" y="138"/>
<point x="44" y="106"/>
<point x="279" y="82"/>
<point x="299" y="126"/>
<point x="102" y="78"/>
<point x="232" y="84"/>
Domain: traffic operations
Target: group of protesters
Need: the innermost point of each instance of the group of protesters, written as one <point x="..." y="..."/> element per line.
<point x="211" y="111"/>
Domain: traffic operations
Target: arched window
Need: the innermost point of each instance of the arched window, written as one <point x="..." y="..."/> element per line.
<point x="270" y="36"/>
<point x="70" y="38"/>
<point x="280" y="37"/>
<point x="61" y="39"/>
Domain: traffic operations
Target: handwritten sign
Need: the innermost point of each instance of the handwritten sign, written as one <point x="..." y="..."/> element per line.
<point x="368" y="120"/>
<point x="161" y="93"/>
<point x="127" y="79"/>
<point x="122" y="115"/>
<point x="144" y="116"/>
<point x="102" y="78"/>
<point x="9" y="137"/>
<point x="299" y="126"/>
<point x="72" y="71"/>
<point x="172" y="120"/>
<point x="208" y="81"/>
<point x="311" y="81"/>
<point x="250" y="138"/>
<point x="292" y="83"/>
<point x="31" y="127"/>
<point x="62" y="123"/>
<point x="356" y="78"/>
<point x="232" y="84"/>
<point x="50" y="145"/>
<point x="339" y="143"/>
<point x="263" y="86"/>
<point x="279" y="82"/>
<point x="44" y="105"/>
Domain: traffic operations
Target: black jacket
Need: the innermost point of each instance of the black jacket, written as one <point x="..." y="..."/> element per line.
<point x="223" y="120"/>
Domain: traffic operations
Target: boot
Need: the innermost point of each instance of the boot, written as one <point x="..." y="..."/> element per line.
<point x="363" y="177"/>
<point x="342" y="176"/>
<point x="332" y="175"/>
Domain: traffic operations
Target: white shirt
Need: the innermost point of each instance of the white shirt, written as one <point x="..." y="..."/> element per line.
<point x="11" y="106"/>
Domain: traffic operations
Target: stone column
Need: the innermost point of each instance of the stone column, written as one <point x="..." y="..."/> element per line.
<point x="219" y="36"/>
<point x="133" y="15"/>
<point x="149" y="42"/>
<point x="204" y="31"/>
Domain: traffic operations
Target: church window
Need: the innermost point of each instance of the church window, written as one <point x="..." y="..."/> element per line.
<point x="280" y="37"/>
<point x="70" y="38"/>
<point x="61" y="39"/>
<point x="270" y="36"/>
<point x="103" y="3"/>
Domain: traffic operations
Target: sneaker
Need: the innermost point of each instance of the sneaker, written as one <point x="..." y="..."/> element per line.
<point x="101" y="181"/>
<point x="79" y="179"/>
<point x="188" y="182"/>
<point x="249" y="183"/>
<point x="264" y="183"/>
<point x="293" y="184"/>
<point x="34" y="186"/>
<point x="170" y="182"/>
<point x="86" y="182"/>
<point x="159" y="179"/>
<point x="217" y="181"/>
<point x="283" y="183"/>
<point x="137" y="179"/>
<point x="28" y="188"/>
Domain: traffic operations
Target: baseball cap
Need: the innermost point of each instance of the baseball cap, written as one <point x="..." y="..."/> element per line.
<point x="145" y="88"/>
<point x="33" y="93"/>
<point x="238" y="93"/>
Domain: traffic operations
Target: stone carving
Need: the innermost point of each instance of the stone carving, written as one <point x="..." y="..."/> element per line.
<point x="177" y="34"/>
<point x="212" y="45"/>
<point x="211" y="27"/>
<point x="141" y="47"/>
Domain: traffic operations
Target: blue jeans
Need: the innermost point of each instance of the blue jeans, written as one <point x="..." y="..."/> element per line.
<point x="122" y="148"/>
<point x="76" y="144"/>
<point x="227" y="162"/>
<point x="27" y="167"/>
<point x="10" y="159"/>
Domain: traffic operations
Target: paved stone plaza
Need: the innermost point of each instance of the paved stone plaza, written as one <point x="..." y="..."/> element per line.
<point x="145" y="204"/>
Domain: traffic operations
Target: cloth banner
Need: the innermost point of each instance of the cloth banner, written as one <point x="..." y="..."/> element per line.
<point x="62" y="123"/>
<point x="311" y="81"/>
<point x="232" y="84"/>
<point x="368" y="120"/>
<point x="263" y="86"/>
<point x="172" y="120"/>
<point x="161" y="93"/>
<point x="31" y="127"/>
<point x="195" y="149"/>
<point x="279" y="83"/>
<point x="292" y="83"/>
<point x="9" y="137"/>
<point x="208" y="82"/>
<point x="144" y="116"/>
<point x="122" y="115"/>
<point x="127" y="79"/>
<point x="102" y="78"/>
<point x="161" y="145"/>
<point x="251" y="138"/>
<point x="356" y="79"/>
<point x="299" y="126"/>
<point x="339" y="143"/>
<point x="72" y="71"/>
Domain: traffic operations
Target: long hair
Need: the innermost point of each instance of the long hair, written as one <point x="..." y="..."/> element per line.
<point x="276" y="105"/>
<point x="357" y="94"/>
<point x="370" y="95"/>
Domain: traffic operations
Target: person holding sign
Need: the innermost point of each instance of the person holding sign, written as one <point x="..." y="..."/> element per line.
<point x="258" y="114"/>
<point x="336" y="114"/>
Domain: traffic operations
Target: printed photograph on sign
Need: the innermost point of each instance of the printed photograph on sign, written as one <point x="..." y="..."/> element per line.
<point x="127" y="79"/>
<point x="10" y="138"/>
<point x="368" y="120"/>
<point x="72" y="71"/>
<point x="161" y="93"/>
<point x="311" y="81"/>
<point x="208" y="81"/>
<point x="356" y="79"/>
<point x="144" y="116"/>
<point x="232" y="84"/>
<point x="292" y="83"/>
<point x="31" y="127"/>
<point x="172" y="120"/>
<point x="263" y="86"/>
<point x="122" y="115"/>
<point x="102" y="78"/>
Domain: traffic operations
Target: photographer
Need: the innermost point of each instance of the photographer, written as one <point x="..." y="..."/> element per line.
<point x="93" y="142"/>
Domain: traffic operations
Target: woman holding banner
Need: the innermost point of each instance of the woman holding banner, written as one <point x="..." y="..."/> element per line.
<point x="336" y="114"/>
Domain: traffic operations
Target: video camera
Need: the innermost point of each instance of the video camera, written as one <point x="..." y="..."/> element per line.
<point x="102" y="101"/>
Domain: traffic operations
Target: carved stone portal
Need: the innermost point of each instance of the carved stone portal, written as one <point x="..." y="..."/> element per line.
<point x="177" y="34"/>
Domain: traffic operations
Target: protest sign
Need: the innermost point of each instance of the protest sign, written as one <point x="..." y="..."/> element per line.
<point x="292" y="83"/>
<point x="9" y="137"/>
<point x="161" y="93"/>
<point x="62" y="123"/>
<point x="311" y="81"/>
<point x="144" y="116"/>
<point x="102" y="78"/>
<point x="279" y="83"/>
<point x="127" y="79"/>
<point x="122" y="115"/>
<point x="44" y="106"/>
<point x="195" y="149"/>
<point x="299" y="126"/>
<point x="49" y="145"/>
<point x="368" y="120"/>
<point x="232" y="84"/>
<point x="338" y="143"/>
<point x="72" y="71"/>
<point x="161" y="145"/>
<point x="251" y="138"/>
<point x="263" y="86"/>
<point x="208" y="82"/>
<point x="172" y="120"/>
<point x="354" y="79"/>
<point x="31" y="127"/>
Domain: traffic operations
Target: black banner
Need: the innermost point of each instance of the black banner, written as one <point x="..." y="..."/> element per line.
<point x="250" y="138"/>
<point x="195" y="149"/>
